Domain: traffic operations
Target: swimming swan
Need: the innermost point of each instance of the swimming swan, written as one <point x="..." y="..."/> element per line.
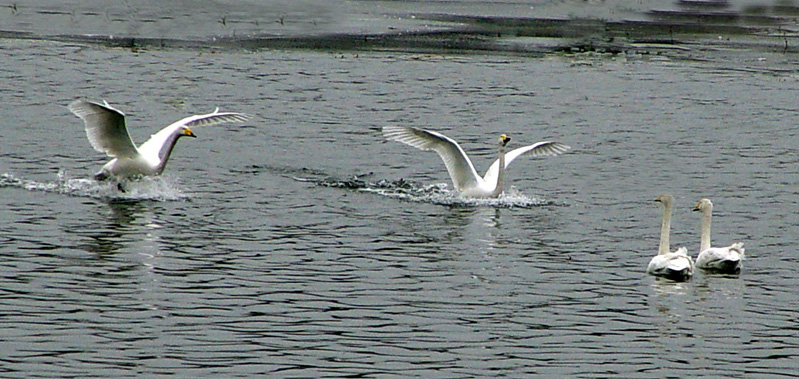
<point x="676" y="265"/>
<point x="722" y="259"/>
<point x="105" y="128"/>
<point x="460" y="168"/>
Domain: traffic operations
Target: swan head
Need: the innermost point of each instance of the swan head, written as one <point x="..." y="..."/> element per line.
<point x="702" y="205"/>
<point x="503" y="140"/>
<point x="666" y="199"/>
<point x="186" y="132"/>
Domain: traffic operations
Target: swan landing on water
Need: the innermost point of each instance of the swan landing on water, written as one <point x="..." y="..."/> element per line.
<point x="106" y="130"/>
<point x="460" y="168"/>
<point x="677" y="265"/>
<point x="720" y="259"/>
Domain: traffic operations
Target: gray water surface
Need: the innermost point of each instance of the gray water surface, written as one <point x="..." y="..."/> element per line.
<point x="237" y="264"/>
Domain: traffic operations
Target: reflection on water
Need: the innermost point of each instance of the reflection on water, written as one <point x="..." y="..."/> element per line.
<point x="255" y="271"/>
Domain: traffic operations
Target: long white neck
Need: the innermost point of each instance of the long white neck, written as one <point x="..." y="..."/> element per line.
<point x="501" y="175"/>
<point x="665" y="229"/>
<point x="166" y="150"/>
<point x="705" y="242"/>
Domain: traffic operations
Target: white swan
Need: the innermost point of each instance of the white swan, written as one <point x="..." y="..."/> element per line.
<point x="723" y="259"/>
<point x="676" y="265"/>
<point x="105" y="127"/>
<point x="460" y="168"/>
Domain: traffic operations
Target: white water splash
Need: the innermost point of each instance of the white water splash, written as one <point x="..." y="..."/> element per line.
<point x="147" y="188"/>
<point x="442" y="195"/>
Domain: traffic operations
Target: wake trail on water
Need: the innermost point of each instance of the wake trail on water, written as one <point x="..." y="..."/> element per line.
<point x="439" y="194"/>
<point x="403" y="189"/>
<point x="147" y="188"/>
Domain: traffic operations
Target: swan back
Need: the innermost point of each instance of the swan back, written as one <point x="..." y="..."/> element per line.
<point x="676" y="266"/>
<point x="723" y="259"/>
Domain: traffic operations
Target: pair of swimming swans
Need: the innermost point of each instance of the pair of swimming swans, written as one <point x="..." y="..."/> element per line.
<point x="461" y="170"/>
<point x="678" y="264"/>
<point x="107" y="133"/>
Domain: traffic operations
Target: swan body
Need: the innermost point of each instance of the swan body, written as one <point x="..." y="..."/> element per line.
<point x="673" y="265"/>
<point x="460" y="167"/>
<point x="106" y="130"/>
<point x="722" y="259"/>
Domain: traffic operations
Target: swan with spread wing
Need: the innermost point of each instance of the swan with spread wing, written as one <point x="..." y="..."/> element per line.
<point x="107" y="132"/>
<point x="460" y="167"/>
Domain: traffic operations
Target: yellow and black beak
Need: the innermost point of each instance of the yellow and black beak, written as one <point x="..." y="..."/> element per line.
<point x="505" y="139"/>
<point x="188" y="133"/>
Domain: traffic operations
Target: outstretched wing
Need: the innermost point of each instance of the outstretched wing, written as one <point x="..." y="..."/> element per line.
<point x="539" y="149"/>
<point x="105" y="128"/>
<point x="156" y="141"/>
<point x="458" y="164"/>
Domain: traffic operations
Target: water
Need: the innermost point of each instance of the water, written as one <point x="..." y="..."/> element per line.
<point x="254" y="256"/>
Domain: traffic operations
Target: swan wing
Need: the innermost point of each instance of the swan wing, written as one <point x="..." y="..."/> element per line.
<point x="676" y="265"/>
<point x="105" y="128"/>
<point x="722" y="258"/>
<point x="156" y="142"/>
<point x="679" y="261"/>
<point x="539" y="149"/>
<point x="458" y="164"/>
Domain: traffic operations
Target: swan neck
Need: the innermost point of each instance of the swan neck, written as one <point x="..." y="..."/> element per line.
<point x="501" y="174"/>
<point x="705" y="241"/>
<point x="665" y="229"/>
<point x="166" y="151"/>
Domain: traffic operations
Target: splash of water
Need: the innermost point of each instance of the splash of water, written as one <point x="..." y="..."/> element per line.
<point x="147" y="188"/>
<point x="436" y="193"/>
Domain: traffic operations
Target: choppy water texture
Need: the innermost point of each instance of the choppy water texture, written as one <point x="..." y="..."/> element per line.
<point x="302" y="245"/>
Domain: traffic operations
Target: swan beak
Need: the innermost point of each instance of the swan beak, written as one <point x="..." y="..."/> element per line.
<point x="188" y="133"/>
<point x="697" y="209"/>
<point x="659" y="199"/>
<point x="505" y="139"/>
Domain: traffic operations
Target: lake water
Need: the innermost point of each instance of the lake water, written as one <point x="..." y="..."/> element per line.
<point x="301" y="244"/>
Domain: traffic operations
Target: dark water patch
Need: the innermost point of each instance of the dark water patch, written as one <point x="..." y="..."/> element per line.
<point x="467" y="33"/>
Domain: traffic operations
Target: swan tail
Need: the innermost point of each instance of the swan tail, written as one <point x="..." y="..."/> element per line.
<point x="676" y="266"/>
<point x="739" y="247"/>
<point x="681" y="262"/>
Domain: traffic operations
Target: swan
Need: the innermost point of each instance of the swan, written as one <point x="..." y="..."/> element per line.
<point x="105" y="128"/>
<point x="460" y="168"/>
<point x="722" y="259"/>
<point x="676" y="265"/>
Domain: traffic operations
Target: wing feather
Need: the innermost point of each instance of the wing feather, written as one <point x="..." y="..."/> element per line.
<point x="458" y="165"/>
<point x="156" y="141"/>
<point x="105" y="128"/>
<point x="538" y="149"/>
